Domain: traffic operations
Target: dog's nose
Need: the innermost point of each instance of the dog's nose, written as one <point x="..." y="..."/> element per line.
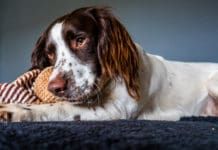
<point x="57" y="85"/>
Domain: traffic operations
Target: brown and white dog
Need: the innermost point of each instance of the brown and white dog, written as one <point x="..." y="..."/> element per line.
<point x="101" y="74"/>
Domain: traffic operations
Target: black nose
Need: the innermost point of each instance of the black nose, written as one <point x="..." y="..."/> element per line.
<point x="57" y="86"/>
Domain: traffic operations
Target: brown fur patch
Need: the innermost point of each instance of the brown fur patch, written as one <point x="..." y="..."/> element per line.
<point x="1" y="106"/>
<point x="76" y="117"/>
<point x="6" y="116"/>
<point x="118" y="54"/>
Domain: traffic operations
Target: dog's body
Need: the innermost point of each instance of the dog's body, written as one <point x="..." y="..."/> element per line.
<point x="114" y="79"/>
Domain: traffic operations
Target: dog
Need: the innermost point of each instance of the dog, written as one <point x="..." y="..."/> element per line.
<point x="101" y="74"/>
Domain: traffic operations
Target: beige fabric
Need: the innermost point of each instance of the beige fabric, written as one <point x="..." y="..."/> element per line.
<point x="40" y="87"/>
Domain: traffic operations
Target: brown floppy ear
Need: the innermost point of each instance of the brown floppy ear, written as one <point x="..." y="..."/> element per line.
<point x="39" y="58"/>
<point x="117" y="52"/>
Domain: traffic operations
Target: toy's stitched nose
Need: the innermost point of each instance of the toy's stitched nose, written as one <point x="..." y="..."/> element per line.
<point x="57" y="85"/>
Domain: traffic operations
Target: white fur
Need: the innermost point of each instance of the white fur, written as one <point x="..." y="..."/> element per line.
<point x="178" y="88"/>
<point x="69" y="57"/>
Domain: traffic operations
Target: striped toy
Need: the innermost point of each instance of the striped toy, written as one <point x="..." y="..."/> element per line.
<point x="28" y="88"/>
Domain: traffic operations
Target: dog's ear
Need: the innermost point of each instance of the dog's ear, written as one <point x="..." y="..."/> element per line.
<point x="117" y="52"/>
<point x="39" y="57"/>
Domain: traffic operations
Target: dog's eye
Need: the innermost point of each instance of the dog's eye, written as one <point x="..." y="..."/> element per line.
<point x="51" y="56"/>
<point x="80" y="40"/>
<point x="50" y="51"/>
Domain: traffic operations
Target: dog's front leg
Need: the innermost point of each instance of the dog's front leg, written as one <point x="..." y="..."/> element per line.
<point x="61" y="111"/>
<point x="15" y="113"/>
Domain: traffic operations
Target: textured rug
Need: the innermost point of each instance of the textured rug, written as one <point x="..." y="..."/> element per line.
<point x="189" y="133"/>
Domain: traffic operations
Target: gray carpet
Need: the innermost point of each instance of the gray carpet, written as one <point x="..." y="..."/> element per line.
<point x="189" y="133"/>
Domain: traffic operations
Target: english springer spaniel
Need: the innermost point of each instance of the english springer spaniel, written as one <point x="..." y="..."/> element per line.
<point x="101" y="74"/>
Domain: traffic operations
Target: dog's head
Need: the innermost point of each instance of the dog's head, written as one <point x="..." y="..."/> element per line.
<point x="88" y="48"/>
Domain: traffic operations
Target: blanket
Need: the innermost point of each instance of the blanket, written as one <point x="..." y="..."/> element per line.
<point x="188" y="133"/>
<point x="20" y="90"/>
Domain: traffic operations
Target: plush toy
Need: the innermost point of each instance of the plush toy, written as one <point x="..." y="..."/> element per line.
<point x="40" y="87"/>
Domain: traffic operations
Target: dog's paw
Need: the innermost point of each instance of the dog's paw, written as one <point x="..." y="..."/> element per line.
<point x="14" y="113"/>
<point x="5" y="116"/>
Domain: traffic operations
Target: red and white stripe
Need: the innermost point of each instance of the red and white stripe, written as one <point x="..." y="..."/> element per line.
<point x="19" y="91"/>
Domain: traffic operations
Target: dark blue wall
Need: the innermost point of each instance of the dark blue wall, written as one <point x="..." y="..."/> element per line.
<point x="184" y="30"/>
